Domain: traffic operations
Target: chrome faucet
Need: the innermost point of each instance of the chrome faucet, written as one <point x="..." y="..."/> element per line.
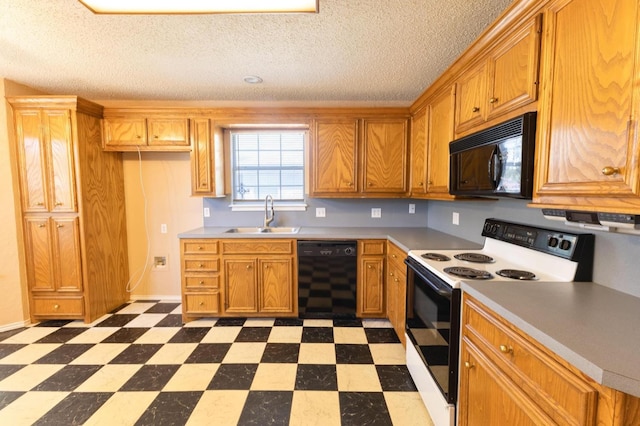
<point x="269" y="212"/>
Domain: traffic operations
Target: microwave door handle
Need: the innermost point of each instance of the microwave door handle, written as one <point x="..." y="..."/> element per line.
<point x="495" y="167"/>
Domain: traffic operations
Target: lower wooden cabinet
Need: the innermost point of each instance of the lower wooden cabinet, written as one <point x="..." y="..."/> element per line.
<point x="396" y="282"/>
<point x="507" y="378"/>
<point x="370" y="295"/>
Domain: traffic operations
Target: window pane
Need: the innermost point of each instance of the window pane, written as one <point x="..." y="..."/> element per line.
<point x="247" y="159"/>
<point x="293" y="158"/>
<point x="270" y="158"/>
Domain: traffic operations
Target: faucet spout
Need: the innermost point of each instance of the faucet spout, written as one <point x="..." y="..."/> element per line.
<point x="269" y="212"/>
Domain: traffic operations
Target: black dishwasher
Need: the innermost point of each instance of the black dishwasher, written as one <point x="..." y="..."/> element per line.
<point x="327" y="279"/>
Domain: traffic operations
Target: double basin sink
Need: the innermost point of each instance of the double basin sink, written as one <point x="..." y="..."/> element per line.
<point x="267" y="230"/>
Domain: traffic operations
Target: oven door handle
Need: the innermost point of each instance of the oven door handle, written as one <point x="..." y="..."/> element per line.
<point x="434" y="282"/>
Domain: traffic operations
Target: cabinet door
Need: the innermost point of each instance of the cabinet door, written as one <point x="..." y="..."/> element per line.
<point x="61" y="176"/>
<point x="334" y="159"/>
<point x="370" y="291"/>
<point x="39" y="255"/>
<point x="31" y="154"/>
<point x="385" y="156"/>
<point x="66" y="254"/>
<point x="440" y="134"/>
<point x="125" y="131"/>
<point x="241" y="288"/>
<point x="513" y="70"/>
<point x="276" y="285"/>
<point x="168" y="132"/>
<point x="588" y="152"/>
<point x="419" y="152"/>
<point x="201" y="164"/>
<point x="471" y="92"/>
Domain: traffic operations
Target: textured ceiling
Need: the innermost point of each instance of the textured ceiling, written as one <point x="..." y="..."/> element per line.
<point x="380" y="52"/>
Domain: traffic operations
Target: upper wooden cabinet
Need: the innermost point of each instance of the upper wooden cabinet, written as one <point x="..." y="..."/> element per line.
<point x="146" y="133"/>
<point x="507" y="79"/>
<point x="352" y="157"/>
<point x="588" y="150"/>
<point x="418" y="152"/>
<point x="207" y="159"/>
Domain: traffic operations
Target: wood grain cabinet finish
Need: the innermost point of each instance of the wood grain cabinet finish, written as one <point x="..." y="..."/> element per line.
<point x="207" y="159"/>
<point x="588" y="148"/>
<point x="72" y="196"/>
<point x="200" y="278"/>
<point x="396" y="285"/>
<point x="418" y="153"/>
<point x="508" y="378"/>
<point x="385" y="156"/>
<point x="334" y="158"/>
<point x="157" y="133"/>
<point x="506" y="80"/>
<point x="370" y="287"/>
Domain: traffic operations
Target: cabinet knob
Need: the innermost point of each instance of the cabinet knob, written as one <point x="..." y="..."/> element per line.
<point x="139" y="136"/>
<point x="475" y="109"/>
<point x="201" y="283"/>
<point x="199" y="247"/>
<point x="350" y="183"/>
<point x="391" y="274"/>
<point x="266" y="266"/>
<point x="248" y="266"/>
<point x="40" y="204"/>
<point x="369" y="266"/>
<point x="430" y="182"/>
<point x="421" y="184"/>
<point x="201" y="303"/>
<point x="59" y="226"/>
<point x="395" y="279"/>
<point x="58" y="203"/>
<point x="610" y="171"/>
<point x="394" y="256"/>
<point x="370" y="183"/>
<point x="493" y="100"/>
<point x="56" y="307"/>
<point x="155" y="136"/>
<point x="506" y="349"/>
<point x="41" y="225"/>
<point x="469" y="365"/>
<point x="201" y="265"/>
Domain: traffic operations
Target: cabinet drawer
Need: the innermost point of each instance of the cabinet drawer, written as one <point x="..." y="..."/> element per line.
<point x="371" y="247"/>
<point x="396" y="256"/>
<point x="562" y="394"/>
<point x="196" y="282"/>
<point x="262" y="246"/>
<point x="201" y="265"/>
<point x="202" y="303"/>
<point x="45" y="306"/>
<point x="200" y="246"/>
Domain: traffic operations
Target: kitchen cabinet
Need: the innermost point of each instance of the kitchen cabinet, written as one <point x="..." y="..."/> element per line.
<point x="207" y="159"/>
<point x="200" y="278"/>
<point x="506" y="80"/>
<point x="588" y="150"/>
<point x="359" y="157"/>
<point x="396" y="284"/>
<point x="508" y="378"/>
<point x="418" y="153"/>
<point x="370" y="295"/>
<point x="440" y="128"/>
<point x="152" y="133"/>
<point x="72" y="197"/>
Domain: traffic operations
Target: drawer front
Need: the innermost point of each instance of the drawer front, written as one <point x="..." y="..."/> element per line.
<point x="201" y="246"/>
<point x="201" y="265"/>
<point x="396" y="256"/>
<point x="202" y="303"/>
<point x="196" y="282"/>
<point x="262" y="246"/>
<point x="566" y="397"/>
<point x="371" y="247"/>
<point x="44" y="306"/>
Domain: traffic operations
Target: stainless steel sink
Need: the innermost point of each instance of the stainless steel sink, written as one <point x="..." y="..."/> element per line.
<point x="268" y="230"/>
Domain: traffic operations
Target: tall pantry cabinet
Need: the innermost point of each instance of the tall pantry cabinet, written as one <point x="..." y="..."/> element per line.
<point x="72" y="197"/>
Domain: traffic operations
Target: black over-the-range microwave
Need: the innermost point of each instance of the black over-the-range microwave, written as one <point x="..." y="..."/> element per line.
<point x="496" y="162"/>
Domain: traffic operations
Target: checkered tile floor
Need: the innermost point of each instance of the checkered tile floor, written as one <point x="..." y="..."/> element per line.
<point x="141" y="366"/>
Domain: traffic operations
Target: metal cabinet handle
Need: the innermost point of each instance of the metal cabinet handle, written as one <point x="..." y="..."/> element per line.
<point x="201" y="283"/>
<point x="475" y="109"/>
<point x="391" y="273"/>
<point x="199" y="247"/>
<point x="421" y="184"/>
<point x="369" y="266"/>
<point x="59" y="226"/>
<point x="40" y="204"/>
<point x="370" y="183"/>
<point x="201" y="265"/>
<point x="467" y="364"/>
<point x="248" y="266"/>
<point x="56" y="307"/>
<point x="610" y="171"/>
<point x="58" y="203"/>
<point x="493" y="100"/>
<point x="201" y="303"/>
<point x="506" y="349"/>
<point x="41" y="225"/>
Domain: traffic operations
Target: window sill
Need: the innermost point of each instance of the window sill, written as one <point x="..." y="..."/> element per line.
<point x="278" y="206"/>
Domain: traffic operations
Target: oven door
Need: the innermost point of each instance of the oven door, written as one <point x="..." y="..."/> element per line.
<point x="433" y="326"/>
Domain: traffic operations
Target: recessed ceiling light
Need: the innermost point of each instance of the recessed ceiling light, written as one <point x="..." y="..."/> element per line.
<point x="252" y="79"/>
<point x="200" y="6"/>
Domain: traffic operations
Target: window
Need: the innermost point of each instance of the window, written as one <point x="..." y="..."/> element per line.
<point x="267" y="162"/>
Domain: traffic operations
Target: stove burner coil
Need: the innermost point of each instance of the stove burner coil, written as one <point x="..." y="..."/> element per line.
<point x="465" y="272"/>
<point x="436" y="256"/>
<point x="516" y="274"/>
<point x="474" y="257"/>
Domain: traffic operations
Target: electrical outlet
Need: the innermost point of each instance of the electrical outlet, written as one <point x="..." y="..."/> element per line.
<point x="412" y="209"/>
<point x="376" y="212"/>
<point x="163" y="228"/>
<point x="321" y="212"/>
<point x="207" y="212"/>
<point x="159" y="262"/>
<point x="455" y="218"/>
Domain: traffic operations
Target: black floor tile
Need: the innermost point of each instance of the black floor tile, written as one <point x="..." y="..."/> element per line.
<point x="395" y="378"/>
<point x="317" y="335"/>
<point x="189" y="335"/>
<point x="381" y="335"/>
<point x="126" y="335"/>
<point x="267" y="408"/>
<point x="347" y="322"/>
<point x="353" y="354"/>
<point x="75" y="409"/>
<point x="117" y="320"/>
<point x="6" y="334"/>
<point x="281" y="353"/>
<point x="68" y="378"/>
<point x="170" y="408"/>
<point x="171" y="320"/>
<point x="7" y="349"/>
<point x="162" y="308"/>
<point x="288" y="322"/>
<point x="119" y="308"/>
<point x="9" y="369"/>
<point x="364" y="408"/>
<point x="230" y="322"/>
<point x="54" y="323"/>
<point x="150" y="378"/>
<point x="316" y="377"/>
<point x="62" y="335"/>
<point x="253" y="334"/>
<point x="7" y="398"/>
<point x="233" y="376"/>
<point x="208" y="353"/>
<point x="136" y="354"/>
<point x="64" y="354"/>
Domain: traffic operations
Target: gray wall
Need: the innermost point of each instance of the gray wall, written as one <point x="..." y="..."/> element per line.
<point x="339" y="213"/>
<point x="617" y="256"/>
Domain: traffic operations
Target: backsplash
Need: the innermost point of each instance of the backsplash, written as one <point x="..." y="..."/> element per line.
<point x="339" y="213"/>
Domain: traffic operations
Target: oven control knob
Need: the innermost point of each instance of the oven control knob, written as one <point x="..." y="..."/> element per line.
<point x="349" y="251"/>
<point x="553" y="242"/>
<point x="565" y="244"/>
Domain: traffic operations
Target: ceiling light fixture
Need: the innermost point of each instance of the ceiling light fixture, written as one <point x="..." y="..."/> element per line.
<point x="252" y="79"/>
<point x="145" y="7"/>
